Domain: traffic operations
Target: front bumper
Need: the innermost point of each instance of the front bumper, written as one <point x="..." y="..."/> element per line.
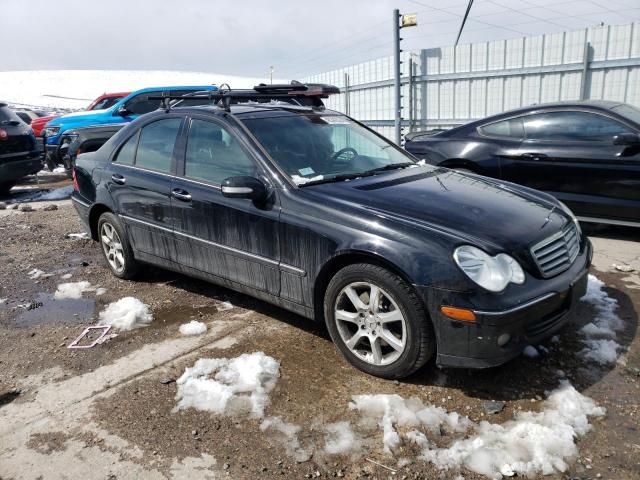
<point x="14" y="168"/>
<point x="526" y="320"/>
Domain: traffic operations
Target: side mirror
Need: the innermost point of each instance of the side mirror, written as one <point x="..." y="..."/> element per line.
<point x="122" y="111"/>
<point x="627" y="139"/>
<point x="244" y="187"/>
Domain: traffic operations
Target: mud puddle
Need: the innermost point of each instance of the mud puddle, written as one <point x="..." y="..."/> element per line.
<point x="43" y="309"/>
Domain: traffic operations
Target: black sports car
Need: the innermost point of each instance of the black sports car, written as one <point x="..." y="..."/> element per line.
<point x="586" y="154"/>
<point x="312" y="211"/>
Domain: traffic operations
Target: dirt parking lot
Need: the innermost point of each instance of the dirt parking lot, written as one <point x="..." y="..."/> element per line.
<point x="110" y="412"/>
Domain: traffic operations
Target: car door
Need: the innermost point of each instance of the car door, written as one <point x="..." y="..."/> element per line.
<point x="571" y="155"/>
<point x="139" y="181"/>
<point x="230" y="238"/>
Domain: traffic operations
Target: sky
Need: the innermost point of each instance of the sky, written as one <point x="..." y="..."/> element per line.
<point x="247" y="37"/>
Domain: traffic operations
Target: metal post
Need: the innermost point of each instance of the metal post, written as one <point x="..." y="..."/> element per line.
<point x="396" y="75"/>
<point x="411" y="73"/>
<point x="347" y="110"/>
<point x="585" y="71"/>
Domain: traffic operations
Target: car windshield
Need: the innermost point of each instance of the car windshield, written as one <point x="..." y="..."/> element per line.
<point x="629" y="111"/>
<point x="318" y="148"/>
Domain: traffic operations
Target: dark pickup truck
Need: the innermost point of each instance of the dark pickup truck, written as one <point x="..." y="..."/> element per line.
<point x="20" y="151"/>
<point x="83" y="140"/>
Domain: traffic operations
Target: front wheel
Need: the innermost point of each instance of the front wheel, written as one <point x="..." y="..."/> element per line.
<point x="115" y="247"/>
<point x="378" y="322"/>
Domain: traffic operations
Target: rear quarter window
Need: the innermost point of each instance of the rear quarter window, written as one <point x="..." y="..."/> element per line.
<point x="511" y="128"/>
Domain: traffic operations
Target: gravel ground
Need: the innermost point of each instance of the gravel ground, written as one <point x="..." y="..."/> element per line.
<point x="109" y="411"/>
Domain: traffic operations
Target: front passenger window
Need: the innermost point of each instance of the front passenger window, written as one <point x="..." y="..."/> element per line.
<point x="213" y="154"/>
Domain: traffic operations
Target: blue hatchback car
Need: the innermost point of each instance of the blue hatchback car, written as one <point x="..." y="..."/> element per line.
<point x="129" y="108"/>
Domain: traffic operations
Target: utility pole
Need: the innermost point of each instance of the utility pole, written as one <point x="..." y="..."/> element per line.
<point x="271" y="74"/>
<point x="399" y="21"/>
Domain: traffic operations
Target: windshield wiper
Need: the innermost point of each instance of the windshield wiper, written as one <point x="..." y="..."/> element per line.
<point x="366" y="173"/>
<point x="391" y="166"/>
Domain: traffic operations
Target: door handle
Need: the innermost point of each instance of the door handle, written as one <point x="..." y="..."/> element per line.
<point x="181" y="194"/>
<point x="533" y="156"/>
<point x="119" y="179"/>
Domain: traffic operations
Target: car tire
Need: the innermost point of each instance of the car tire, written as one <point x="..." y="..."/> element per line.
<point x="5" y="187"/>
<point x="50" y="163"/>
<point x="360" y="332"/>
<point x="115" y="247"/>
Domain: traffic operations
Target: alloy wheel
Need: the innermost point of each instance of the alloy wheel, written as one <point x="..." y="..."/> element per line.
<point x="370" y="323"/>
<point x="112" y="246"/>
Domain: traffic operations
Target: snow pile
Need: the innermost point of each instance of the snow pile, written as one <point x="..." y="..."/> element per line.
<point x="340" y="439"/>
<point x="224" y="306"/>
<point x="600" y="334"/>
<point x="229" y="386"/>
<point x="36" y="273"/>
<point x="289" y="434"/>
<point x="298" y="180"/>
<point x="55" y="171"/>
<point x="531" y="444"/>
<point x="57" y="193"/>
<point x="194" y="327"/>
<point x="530" y="352"/>
<point x="126" y="314"/>
<point x="72" y="290"/>
<point x="390" y="411"/>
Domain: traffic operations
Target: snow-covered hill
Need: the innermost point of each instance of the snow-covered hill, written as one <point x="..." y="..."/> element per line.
<point x="76" y="88"/>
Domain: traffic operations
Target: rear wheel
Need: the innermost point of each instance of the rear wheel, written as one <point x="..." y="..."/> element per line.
<point x="115" y="246"/>
<point x="5" y="187"/>
<point x="377" y="321"/>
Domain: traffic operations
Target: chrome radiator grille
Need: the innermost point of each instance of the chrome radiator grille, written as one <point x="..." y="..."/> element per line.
<point x="556" y="253"/>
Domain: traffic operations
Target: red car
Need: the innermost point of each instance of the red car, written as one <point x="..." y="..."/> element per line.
<point x="103" y="101"/>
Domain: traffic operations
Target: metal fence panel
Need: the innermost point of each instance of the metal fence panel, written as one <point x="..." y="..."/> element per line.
<point x="453" y="85"/>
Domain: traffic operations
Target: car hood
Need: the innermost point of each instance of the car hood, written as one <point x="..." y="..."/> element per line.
<point x="78" y="117"/>
<point x="474" y="209"/>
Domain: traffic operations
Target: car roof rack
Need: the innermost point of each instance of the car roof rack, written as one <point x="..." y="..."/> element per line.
<point x="225" y="96"/>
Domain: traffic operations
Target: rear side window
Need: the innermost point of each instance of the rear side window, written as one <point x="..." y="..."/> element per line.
<point x="155" y="147"/>
<point x="573" y="126"/>
<point x="24" y="117"/>
<point x="6" y="115"/>
<point x="213" y="154"/>
<point x="127" y="152"/>
<point x="511" y="128"/>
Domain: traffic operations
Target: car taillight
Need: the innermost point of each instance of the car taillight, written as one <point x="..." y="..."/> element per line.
<point x="76" y="187"/>
<point x="3" y="134"/>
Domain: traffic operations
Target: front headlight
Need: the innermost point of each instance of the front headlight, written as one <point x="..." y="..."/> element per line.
<point x="491" y="273"/>
<point x="51" y="131"/>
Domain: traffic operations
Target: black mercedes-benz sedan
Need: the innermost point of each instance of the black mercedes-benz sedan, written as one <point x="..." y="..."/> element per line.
<point x="586" y="154"/>
<point x="310" y="210"/>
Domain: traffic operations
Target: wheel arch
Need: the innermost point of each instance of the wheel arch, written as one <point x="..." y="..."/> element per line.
<point x="94" y="214"/>
<point x="341" y="260"/>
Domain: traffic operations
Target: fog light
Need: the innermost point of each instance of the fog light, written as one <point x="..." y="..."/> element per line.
<point x="503" y="339"/>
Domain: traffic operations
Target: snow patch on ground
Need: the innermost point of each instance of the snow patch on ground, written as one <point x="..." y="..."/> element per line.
<point x="78" y="236"/>
<point x="530" y="352"/>
<point x="72" y="290"/>
<point x="233" y="386"/>
<point x="194" y="327"/>
<point x="57" y="193"/>
<point x="36" y="273"/>
<point x="289" y="437"/>
<point x="340" y="439"/>
<point x="66" y="276"/>
<point x="600" y="334"/>
<point x="391" y="411"/>
<point x="531" y="444"/>
<point x="224" y="306"/>
<point x="2" y="301"/>
<point x="127" y="313"/>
